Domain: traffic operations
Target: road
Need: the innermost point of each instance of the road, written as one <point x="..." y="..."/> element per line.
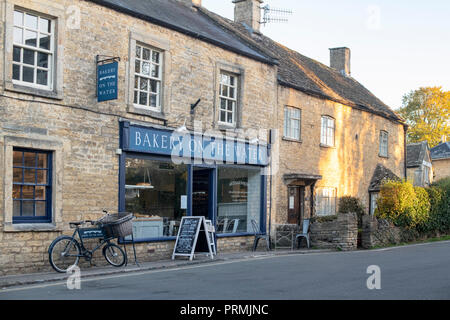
<point x="407" y="272"/>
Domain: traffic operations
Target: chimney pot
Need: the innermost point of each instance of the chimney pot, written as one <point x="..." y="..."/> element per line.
<point x="340" y="60"/>
<point x="248" y="12"/>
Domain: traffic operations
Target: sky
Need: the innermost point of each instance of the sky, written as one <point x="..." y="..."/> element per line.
<point x="396" y="45"/>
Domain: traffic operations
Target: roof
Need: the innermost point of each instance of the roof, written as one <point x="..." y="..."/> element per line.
<point x="310" y="76"/>
<point x="441" y="151"/>
<point x="415" y="154"/>
<point x="190" y="21"/>
<point x="380" y="175"/>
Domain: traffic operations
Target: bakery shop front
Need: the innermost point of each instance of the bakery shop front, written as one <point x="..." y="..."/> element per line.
<point x="165" y="175"/>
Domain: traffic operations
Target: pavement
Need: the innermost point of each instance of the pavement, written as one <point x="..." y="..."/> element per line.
<point x="39" y="278"/>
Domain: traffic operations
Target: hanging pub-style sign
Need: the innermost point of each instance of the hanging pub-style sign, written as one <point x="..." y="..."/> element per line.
<point x="107" y="78"/>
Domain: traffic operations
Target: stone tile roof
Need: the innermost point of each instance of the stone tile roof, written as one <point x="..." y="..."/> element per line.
<point x="310" y="76"/>
<point x="415" y="154"/>
<point x="441" y="151"/>
<point x="174" y="15"/>
<point x="381" y="174"/>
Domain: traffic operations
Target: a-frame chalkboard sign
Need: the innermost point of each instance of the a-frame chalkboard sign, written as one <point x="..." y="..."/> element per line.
<point x="192" y="238"/>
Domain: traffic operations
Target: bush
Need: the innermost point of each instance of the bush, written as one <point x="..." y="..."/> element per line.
<point x="403" y="204"/>
<point x="439" y="194"/>
<point x="349" y="204"/>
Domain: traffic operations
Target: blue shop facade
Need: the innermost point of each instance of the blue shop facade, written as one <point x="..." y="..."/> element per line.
<point x="166" y="174"/>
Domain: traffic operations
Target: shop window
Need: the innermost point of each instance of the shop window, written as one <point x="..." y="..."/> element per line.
<point x="326" y="202"/>
<point x="156" y="193"/>
<point x="33" y="50"/>
<point x="327" y="131"/>
<point x="228" y="98"/>
<point x="32" y="186"/>
<point x="239" y="199"/>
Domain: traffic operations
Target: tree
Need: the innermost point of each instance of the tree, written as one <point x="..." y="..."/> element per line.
<point x="427" y="112"/>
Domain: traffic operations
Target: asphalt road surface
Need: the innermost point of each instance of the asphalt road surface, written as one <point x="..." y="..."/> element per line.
<point x="408" y="272"/>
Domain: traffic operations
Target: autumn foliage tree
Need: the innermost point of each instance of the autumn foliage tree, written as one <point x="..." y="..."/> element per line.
<point x="427" y="112"/>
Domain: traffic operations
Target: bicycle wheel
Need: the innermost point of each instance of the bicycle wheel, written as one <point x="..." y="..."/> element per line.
<point x="114" y="255"/>
<point x="63" y="253"/>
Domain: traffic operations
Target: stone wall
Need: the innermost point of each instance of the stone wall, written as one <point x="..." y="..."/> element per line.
<point x="441" y="169"/>
<point x="339" y="233"/>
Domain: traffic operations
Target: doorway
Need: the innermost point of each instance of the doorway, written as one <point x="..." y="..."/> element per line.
<point x="202" y="192"/>
<point x="296" y="204"/>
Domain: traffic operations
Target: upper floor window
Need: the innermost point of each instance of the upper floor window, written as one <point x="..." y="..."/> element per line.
<point x="228" y="98"/>
<point x="327" y="131"/>
<point x="383" y="143"/>
<point x="326" y="202"/>
<point x="292" y="123"/>
<point x="33" y="50"/>
<point x="32" y="186"/>
<point x="148" y="78"/>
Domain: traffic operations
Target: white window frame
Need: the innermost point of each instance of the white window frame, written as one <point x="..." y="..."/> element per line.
<point x="373" y="202"/>
<point x="327" y="131"/>
<point x="36" y="50"/>
<point x="225" y="82"/>
<point x="291" y="116"/>
<point x="384" y="144"/>
<point x="148" y="77"/>
<point x="326" y="201"/>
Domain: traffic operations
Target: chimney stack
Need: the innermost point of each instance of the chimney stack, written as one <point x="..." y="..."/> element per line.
<point x="340" y="60"/>
<point x="248" y="12"/>
<point x="192" y="3"/>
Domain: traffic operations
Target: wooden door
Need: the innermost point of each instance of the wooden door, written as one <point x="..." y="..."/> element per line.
<point x="296" y="204"/>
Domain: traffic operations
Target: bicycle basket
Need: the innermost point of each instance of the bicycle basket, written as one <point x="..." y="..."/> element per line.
<point x="117" y="224"/>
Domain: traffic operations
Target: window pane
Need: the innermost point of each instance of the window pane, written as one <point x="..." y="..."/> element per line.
<point x="138" y="51"/>
<point x="145" y="68"/>
<point x="232" y="93"/>
<point x="143" y="98"/>
<point x="40" y="193"/>
<point x="30" y="38"/>
<point x="155" y="71"/>
<point x="44" y="42"/>
<point x="44" y="25"/>
<point x="154" y="86"/>
<point x="31" y="21"/>
<point x="29" y="176"/>
<point x="153" y="101"/>
<point x="17" y="158"/>
<point x="42" y="160"/>
<point x="17" y="35"/>
<point x="16" y="192"/>
<point x="28" y="56"/>
<point x="27" y="208"/>
<point x="230" y="105"/>
<point x="137" y="66"/>
<point x="135" y="100"/>
<point x="40" y="209"/>
<point x="18" y="18"/>
<point x="27" y="192"/>
<point x="223" y="104"/>
<point x="230" y="117"/>
<point x="153" y="194"/>
<point x="28" y="74"/>
<point x="17" y="175"/>
<point x="146" y="54"/>
<point x="155" y="57"/>
<point x="238" y="197"/>
<point x="224" y="91"/>
<point x="42" y="77"/>
<point x="16" y="72"/>
<point x="223" y="116"/>
<point x="144" y="84"/>
<point x="232" y="81"/>
<point x="16" y="208"/>
<point x="29" y="159"/>
<point x="42" y="176"/>
<point x="16" y="54"/>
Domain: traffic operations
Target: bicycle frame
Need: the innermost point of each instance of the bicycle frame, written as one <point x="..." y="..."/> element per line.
<point x="85" y="252"/>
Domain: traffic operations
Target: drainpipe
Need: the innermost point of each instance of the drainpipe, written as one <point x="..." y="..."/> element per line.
<point x="405" y="129"/>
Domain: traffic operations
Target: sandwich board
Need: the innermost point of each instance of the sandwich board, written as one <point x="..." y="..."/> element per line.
<point x="192" y="238"/>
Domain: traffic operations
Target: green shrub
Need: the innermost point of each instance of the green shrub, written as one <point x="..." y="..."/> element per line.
<point x="349" y="204"/>
<point x="403" y="204"/>
<point x="439" y="194"/>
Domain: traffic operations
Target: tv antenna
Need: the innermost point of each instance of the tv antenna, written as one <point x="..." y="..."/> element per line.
<point x="275" y="15"/>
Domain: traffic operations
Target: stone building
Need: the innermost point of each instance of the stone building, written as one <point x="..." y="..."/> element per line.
<point x="440" y="157"/>
<point x="418" y="163"/>
<point x="66" y="155"/>
<point x="334" y="134"/>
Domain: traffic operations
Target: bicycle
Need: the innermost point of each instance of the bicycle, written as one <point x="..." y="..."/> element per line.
<point x="66" y="251"/>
